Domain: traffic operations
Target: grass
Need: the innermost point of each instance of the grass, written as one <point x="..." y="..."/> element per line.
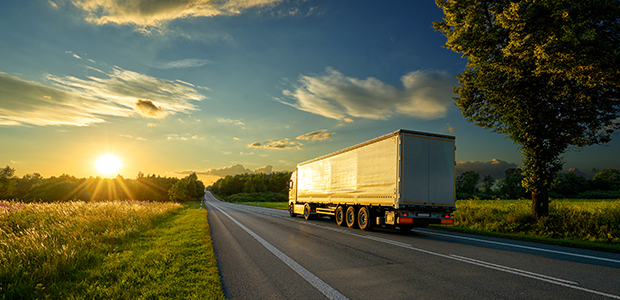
<point x="112" y="250"/>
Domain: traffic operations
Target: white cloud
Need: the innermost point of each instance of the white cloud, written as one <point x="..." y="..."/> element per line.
<point x="425" y="95"/>
<point x="179" y="64"/>
<point x="81" y="102"/>
<point x="280" y="145"/>
<point x="236" y="122"/>
<point x="145" y="13"/>
<point x="316" y="135"/>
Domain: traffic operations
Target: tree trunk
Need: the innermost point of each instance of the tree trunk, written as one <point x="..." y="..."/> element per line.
<point x="540" y="203"/>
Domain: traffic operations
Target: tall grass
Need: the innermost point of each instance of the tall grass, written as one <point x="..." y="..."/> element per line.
<point x="44" y="243"/>
<point x="592" y="221"/>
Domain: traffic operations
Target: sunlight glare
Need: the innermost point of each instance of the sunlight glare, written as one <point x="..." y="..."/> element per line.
<point x="108" y="164"/>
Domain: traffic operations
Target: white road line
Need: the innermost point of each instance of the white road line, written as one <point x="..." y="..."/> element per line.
<point x="323" y="287"/>
<point x="515" y="270"/>
<point x="519" y="246"/>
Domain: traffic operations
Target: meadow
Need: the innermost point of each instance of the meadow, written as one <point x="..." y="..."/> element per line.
<point x="116" y="250"/>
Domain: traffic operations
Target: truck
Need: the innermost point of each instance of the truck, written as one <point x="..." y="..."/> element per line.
<point x="404" y="179"/>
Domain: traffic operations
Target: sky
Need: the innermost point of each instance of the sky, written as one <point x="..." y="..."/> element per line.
<point x="233" y="86"/>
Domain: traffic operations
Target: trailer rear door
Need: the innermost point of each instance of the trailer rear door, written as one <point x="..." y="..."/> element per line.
<point x="427" y="170"/>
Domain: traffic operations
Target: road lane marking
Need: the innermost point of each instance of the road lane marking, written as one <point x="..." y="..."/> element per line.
<point x="480" y="262"/>
<point x="319" y="284"/>
<point x="549" y="279"/>
<point x="520" y="246"/>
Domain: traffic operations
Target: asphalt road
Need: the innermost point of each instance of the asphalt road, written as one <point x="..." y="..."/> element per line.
<point x="263" y="253"/>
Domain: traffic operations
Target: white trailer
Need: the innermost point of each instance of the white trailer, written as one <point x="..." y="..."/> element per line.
<point x="404" y="179"/>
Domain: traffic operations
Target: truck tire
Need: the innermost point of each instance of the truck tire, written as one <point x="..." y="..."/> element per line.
<point x="351" y="217"/>
<point x="364" y="219"/>
<point x="307" y="214"/>
<point x="291" y="210"/>
<point x="340" y="216"/>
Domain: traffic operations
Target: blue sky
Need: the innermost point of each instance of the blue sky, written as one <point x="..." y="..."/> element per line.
<point x="229" y="87"/>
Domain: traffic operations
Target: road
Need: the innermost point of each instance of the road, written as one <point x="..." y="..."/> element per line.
<point x="263" y="253"/>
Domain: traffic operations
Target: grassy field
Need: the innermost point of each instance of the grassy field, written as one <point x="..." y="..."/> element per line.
<point x="593" y="224"/>
<point x="112" y="250"/>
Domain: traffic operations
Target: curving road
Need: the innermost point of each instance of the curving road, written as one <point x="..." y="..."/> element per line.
<point x="263" y="253"/>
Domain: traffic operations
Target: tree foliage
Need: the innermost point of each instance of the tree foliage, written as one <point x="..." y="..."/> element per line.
<point x="542" y="72"/>
<point x="35" y="188"/>
<point x="252" y="183"/>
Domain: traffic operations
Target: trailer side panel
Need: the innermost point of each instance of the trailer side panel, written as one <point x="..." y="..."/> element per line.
<point x="362" y="175"/>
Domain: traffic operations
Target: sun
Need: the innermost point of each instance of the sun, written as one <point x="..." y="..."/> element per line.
<point x="108" y="164"/>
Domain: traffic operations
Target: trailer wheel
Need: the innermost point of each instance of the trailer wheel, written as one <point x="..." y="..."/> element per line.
<point x="364" y="220"/>
<point x="351" y="217"/>
<point x="291" y="210"/>
<point x="340" y="216"/>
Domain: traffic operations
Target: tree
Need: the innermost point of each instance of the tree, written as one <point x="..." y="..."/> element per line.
<point x="608" y="179"/>
<point x="7" y="182"/>
<point x="466" y="182"/>
<point x="488" y="182"/>
<point x="510" y="187"/>
<point x="542" y="72"/>
<point x="178" y="191"/>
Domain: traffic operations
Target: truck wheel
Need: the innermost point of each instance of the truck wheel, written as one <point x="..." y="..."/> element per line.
<point x="351" y="217"/>
<point x="291" y="210"/>
<point x="364" y="220"/>
<point x="340" y="216"/>
<point x="307" y="214"/>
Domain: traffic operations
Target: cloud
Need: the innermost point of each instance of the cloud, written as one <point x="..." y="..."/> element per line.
<point x="233" y="170"/>
<point x="147" y="109"/>
<point x="180" y="64"/>
<point x="348" y="120"/>
<point x="495" y="167"/>
<point x="236" y="122"/>
<point x="424" y="95"/>
<point x="316" y="135"/>
<point x="281" y="144"/>
<point x="449" y="128"/>
<point x="151" y="125"/>
<point x="149" y="13"/>
<point x="81" y="102"/>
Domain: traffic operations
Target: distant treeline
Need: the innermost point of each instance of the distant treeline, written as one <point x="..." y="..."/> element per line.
<point x="604" y="185"/>
<point x="35" y="188"/>
<point x="253" y="187"/>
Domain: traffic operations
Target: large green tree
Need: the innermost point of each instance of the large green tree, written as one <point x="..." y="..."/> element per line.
<point x="543" y="72"/>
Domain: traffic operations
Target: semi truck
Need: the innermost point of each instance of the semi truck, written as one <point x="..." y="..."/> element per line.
<point x="403" y="179"/>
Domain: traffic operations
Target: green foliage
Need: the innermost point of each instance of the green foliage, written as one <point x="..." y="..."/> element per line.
<point x="466" y="182"/>
<point x="585" y="221"/>
<point x="542" y="72"/>
<point x="252" y="183"/>
<point x="7" y="182"/>
<point x="187" y="189"/>
<point x="43" y="245"/>
<point x="35" y="188"/>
